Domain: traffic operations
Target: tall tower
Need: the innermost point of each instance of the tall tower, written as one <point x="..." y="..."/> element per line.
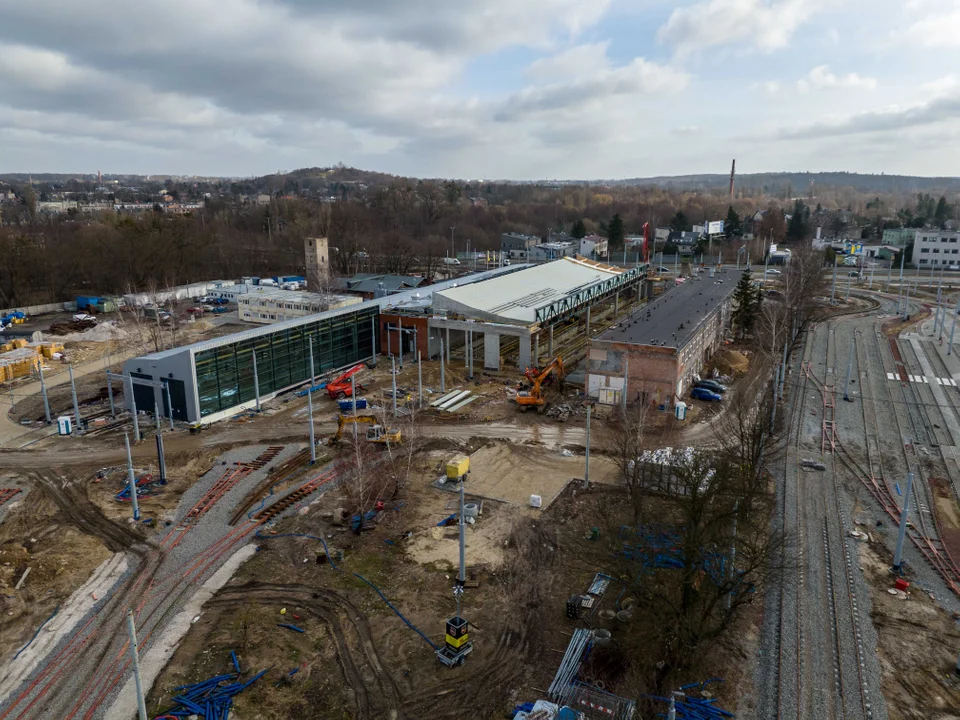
<point x="733" y="172"/>
<point x="99" y="178"/>
<point x="317" y="252"/>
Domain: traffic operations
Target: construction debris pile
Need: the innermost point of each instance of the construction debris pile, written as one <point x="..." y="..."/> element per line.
<point x="75" y="326"/>
<point x="210" y="699"/>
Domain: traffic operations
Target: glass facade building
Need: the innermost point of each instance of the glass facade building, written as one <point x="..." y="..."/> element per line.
<point x="225" y="373"/>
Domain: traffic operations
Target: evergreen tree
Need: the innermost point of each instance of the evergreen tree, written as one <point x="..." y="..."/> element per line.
<point x="942" y="213"/>
<point x="747" y="300"/>
<point x="579" y="230"/>
<point x="732" y="225"/>
<point x="615" y="232"/>
<point x="797" y="227"/>
<point x="679" y="222"/>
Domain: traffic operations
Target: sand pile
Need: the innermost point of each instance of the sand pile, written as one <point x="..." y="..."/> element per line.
<point x="731" y="362"/>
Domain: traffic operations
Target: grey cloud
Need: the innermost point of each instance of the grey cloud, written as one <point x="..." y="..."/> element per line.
<point x="935" y="111"/>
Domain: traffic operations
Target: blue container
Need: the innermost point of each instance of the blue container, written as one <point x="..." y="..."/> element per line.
<point x="346" y="405"/>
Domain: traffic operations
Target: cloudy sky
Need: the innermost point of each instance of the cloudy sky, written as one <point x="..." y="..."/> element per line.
<point x="521" y="89"/>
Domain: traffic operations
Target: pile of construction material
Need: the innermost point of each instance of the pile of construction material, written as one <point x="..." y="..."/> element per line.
<point x="454" y="400"/>
<point x="18" y="358"/>
<point x="210" y="699"/>
<point x="75" y="326"/>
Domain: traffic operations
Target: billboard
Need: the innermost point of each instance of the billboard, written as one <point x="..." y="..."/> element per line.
<point x="715" y="228"/>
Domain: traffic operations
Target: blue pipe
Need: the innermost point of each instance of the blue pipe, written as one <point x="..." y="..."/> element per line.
<point x="359" y="577"/>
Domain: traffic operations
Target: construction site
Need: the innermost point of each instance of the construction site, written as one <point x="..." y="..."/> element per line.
<point x="476" y="499"/>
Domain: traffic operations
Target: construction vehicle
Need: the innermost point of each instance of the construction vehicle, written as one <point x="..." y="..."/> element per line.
<point x="376" y="433"/>
<point x="534" y="395"/>
<point x="342" y="387"/>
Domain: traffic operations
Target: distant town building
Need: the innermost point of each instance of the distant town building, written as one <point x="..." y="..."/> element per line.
<point x="517" y="245"/>
<point x="370" y="286"/>
<point x="270" y="305"/>
<point x="317" y="254"/>
<point x="593" y="246"/>
<point x="935" y="247"/>
<point x="899" y="237"/>
<point x="553" y="251"/>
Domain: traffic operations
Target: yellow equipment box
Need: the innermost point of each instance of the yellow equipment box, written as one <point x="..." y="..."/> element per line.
<point x="457" y="467"/>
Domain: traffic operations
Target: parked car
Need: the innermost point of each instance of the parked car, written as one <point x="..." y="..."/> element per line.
<point x="198" y="310"/>
<point x="220" y="309"/>
<point x="663" y="269"/>
<point x="701" y="393"/>
<point x="771" y="271"/>
<point x="711" y="385"/>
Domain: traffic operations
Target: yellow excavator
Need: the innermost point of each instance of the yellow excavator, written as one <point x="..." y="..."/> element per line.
<point x="533" y="396"/>
<point x="376" y="433"/>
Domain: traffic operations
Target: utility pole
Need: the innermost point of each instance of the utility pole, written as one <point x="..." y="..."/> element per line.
<point x="373" y="341"/>
<point x="846" y="386"/>
<point x="256" y="377"/>
<point x="133" y="411"/>
<point x="586" y="465"/>
<point x="113" y="408"/>
<point x="313" y="441"/>
<point x="393" y="375"/>
<point x="849" y="281"/>
<point x="733" y="551"/>
<point x="73" y="393"/>
<point x="833" y="287"/>
<point x="419" y="379"/>
<point x="953" y="328"/>
<point x="783" y="367"/>
<point x="43" y="391"/>
<point x="161" y="461"/>
<point x="903" y="256"/>
<point x="461" y="576"/>
<point x="166" y="386"/>
<point x="131" y="479"/>
<point x="135" y="655"/>
<point x="889" y="275"/>
<point x="353" y="394"/>
<point x="898" y="556"/>
<point x="443" y="383"/>
<point x="773" y="412"/>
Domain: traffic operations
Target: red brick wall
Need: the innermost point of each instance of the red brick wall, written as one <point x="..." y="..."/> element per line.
<point x="420" y="323"/>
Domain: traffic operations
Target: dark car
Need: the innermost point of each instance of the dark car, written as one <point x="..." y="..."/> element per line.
<point x="701" y="393"/>
<point x="711" y="385"/>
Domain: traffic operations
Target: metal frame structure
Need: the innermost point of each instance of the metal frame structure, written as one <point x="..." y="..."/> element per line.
<point x="578" y="298"/>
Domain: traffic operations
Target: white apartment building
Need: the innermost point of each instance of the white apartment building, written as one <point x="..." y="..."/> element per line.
<point x="936" y="247"/>
<point x="270" y="306"/>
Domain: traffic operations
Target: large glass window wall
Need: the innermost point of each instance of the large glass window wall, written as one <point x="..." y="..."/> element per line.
<point x="225" y="374"/>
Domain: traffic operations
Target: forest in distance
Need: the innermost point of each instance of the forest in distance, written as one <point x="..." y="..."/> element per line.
<point x="376" y="222"/>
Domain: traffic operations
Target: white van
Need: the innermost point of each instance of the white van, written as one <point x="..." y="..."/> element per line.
<point x="450" y="261"/>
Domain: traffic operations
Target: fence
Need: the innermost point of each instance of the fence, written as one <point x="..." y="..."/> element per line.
<point x="43" y="309"/>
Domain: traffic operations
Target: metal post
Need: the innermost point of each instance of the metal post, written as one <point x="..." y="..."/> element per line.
<point x="586" y="462"/>
<point x="373" y="341"/>
<point x="73" y="393"/>
<point x="419" y="379"/>
<point x="256" y="377"/>
<point x="953" y="328"/>
<point x="313" y="440"/>
<point x="616" y="304"/>
<point x="131" y="479"/>
<point x="466" y="347"/>
<point x="870" y="287"/>
<point x="162" y="462"/>
<point x="43" y="391"/>
<point x="846" y="386"/>
<point x="588" y="320"/>
<point x="833" y="287"/>
<point x="113" y="409"/>
<point x="448" y="345"/>
<point x="550" y="351"/>
<point x="461" y="576"/>
<point x="471" y="354"/>
<point x="773" y="412"/>
<point x="849" y="282"/>
<point x="783" y="367"/>
<point x="135" y="655"/>
<point x="443" y="383"/>
<point x="400" y="339"/>
<point x="389" y="346"/>
<point x="133" y="411"/>
<point x="898" y="555"/>
<point x="393" y="376"/>
<point x="626" y="375"/>
<point x="733" y="551"/>
<point x="166" y="385"/>
<point x="353" y="395"/>
<point x="903" y="255"/>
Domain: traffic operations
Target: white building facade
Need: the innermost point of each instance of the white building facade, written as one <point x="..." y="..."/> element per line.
<point x="936" y="248"/>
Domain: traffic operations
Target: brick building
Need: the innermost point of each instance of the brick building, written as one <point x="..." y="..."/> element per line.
<point x="653" y="354"/>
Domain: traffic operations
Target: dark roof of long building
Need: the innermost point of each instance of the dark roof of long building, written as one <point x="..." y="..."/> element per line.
<point x="672" y="319"/>
<point x="369" y="283"/>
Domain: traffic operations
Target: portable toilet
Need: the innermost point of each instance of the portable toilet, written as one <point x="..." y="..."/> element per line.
<point x="681" y="411"/>
<point x="64" y="425"/>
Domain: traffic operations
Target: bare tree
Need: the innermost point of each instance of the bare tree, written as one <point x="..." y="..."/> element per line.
<point x="626" y="448"/>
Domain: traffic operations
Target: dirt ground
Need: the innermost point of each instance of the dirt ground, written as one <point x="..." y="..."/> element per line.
<point x="918" y="646"/>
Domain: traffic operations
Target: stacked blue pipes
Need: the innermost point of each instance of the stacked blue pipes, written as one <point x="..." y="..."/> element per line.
<point x="210" y="699"/>
<point x="696" y="709"/>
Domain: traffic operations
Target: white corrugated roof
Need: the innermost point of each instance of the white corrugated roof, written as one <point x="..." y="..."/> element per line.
<point x="516" y="297"/>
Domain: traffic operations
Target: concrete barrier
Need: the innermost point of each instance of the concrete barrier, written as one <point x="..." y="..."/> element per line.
<point x="43" y="309"/>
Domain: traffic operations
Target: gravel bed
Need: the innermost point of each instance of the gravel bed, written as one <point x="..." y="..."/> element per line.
<point x="165" y="601"/>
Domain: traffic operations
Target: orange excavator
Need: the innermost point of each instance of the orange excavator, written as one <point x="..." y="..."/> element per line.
<point x="533" y="395"/>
